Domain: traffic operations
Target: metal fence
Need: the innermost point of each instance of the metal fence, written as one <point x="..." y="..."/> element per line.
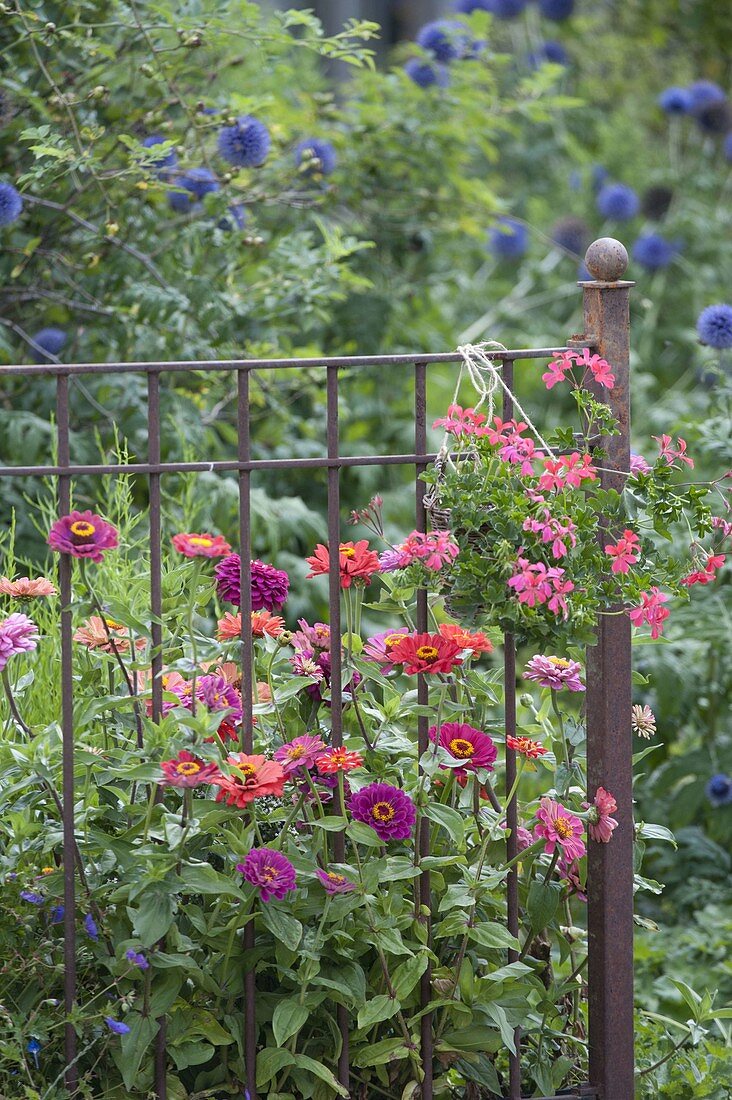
<point x="610" y="881"/>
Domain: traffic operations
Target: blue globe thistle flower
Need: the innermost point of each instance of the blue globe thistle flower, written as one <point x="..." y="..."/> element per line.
<point x="199" y="182"/>
<point x="617" y="201"/>
<point x="714" y="118"/>
<point x="467" y="7"/>
<point x="116" y="1026"/>
<point x="572" y="234"/>
<point x="727" y="147"/>
<point x="714" y="325"/>
<point x="447" y="39"/>
<point x="508" y="9"/>
<point x="556" y="9"/>
<point x="51" y="340"/>
<point x="583" y="273"/>
<point x="675" y="100"/>
<point x="246" y="143"/>
<point x="426" y="74"/>
<point x="719" y="790"/>
<point x="234" y="218"/>
<point x="165" y="160"/>
<point x="90" y="927"/>
<point x="656" y="202"/>
<point x="508" y="239"/>
<point x="320" y="154"/>
<point x="703" y="93"/>
<point x="653" y="252"/>
<point x="551" y="51"/>
<point x="600" y="175"/>
<point x="11" y="204"/>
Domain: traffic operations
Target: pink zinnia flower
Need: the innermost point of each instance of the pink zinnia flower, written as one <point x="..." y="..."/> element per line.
<point x="357" y="564"/>
<point x="23" y="588"/>
<point x="83" y="535"/>
<point x="269" y="871"/>
<point x="638" y="464"/>
<point x="313" y="637"/>
<point x="569" y="870"/>
<point x="187" y="770"/>
<point x="18" y="634"/>
<point x="525" y="746"/>
<point x="558" y="826"/>
<point x="335" y="883"/>
<point x="301" y="752"/>
<point x="426" y="653"/>
<point x="465" y="743"/>
<point x="379" y="647"/>
<point x="304" y="664"/>
<point x="251" y="777"/>
<point x="651" y="611"/>
<point x="600" y="824"/>
<point x="624" y="553"/>
<point x="201" y="546"/>
<point x="217" y="694"/>
<point x="555" y="673"/>
<point x="388" y="810"/>
<point x="105" y="635"/>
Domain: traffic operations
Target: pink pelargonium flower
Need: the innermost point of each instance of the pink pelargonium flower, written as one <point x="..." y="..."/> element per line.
<point x="600" y="824"/>
<point x="535" y="584"/>
<point x="301" y="752"/>
<point x="553" y="531"/>
<point x="721" y="524"/>
<point x="82" y="535"/>
<point x="708" y="573"/>
<point x="521" y="451"/>
<point x="670" y="454"/>
<point x="460" y="421"/>
<point x="624" y="552"/>
<point x="568" y="470"/>
<point x="565" y="361"/>
<point x="434" y="549"/>
<point x="651" y="611"/>
<point x="555" y="673"/>
<point x="557" y="826"/>
<point x="638" y="464"/>
<point x="505" y="431"/>
<point x="18" y="634"/>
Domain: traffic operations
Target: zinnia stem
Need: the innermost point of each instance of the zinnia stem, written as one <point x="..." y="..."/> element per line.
<point x="11" y="702"/>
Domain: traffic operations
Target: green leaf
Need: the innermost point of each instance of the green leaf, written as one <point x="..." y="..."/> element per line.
<point x="407" y="974"/>
<point x="330" y="824"/>
<point x="656" y="832"/>
<point x="201" y="878"/>
<point x="283" y="927"/>
<point x="449" y="819"/>
<point x="542" y="902"/>
<point x="269" y="1063"/>
<point x="321" y="1071"/>
<point x="492" y="934"/>
<point x="155" y="915"/>
<point x="288" y="1018"/>
<point x="361" y="833"/>
<point x="381" y="1007"/>
<point x="498" y="1014"/>
<point x="379" y="1054"/>
<point x="133" y="1045"/>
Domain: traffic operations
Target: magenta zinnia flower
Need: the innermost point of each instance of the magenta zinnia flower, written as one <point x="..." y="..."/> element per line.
<point x="312" y="637"/>
<point x="301" y="752"/>
<point x="18" y="634"/>
<point x="388" y="810"/>
<point x="83" y="535"/>
<point x="555" y="673"/>
<point x="600" y="824"/>
<point x="335" y="883"/>
<point x="558" y="826"/>
<point x="379" y="646"/>
<point x="217" y="694"/>
<point x="473" y="747"/>
<point x="269" y="871"/>
<point x="269" y="585"/>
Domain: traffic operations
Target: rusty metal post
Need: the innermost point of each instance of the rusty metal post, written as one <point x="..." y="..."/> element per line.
<point x="609" y="700"/>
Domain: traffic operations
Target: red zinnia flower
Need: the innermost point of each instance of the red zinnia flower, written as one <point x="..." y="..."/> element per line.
<point x="524" y="745"/>
<point x="357" y="563"/>
<point x="338" y="760"/>
<point x="201" y="546"/>
<point x="251" y="777"/>
<point x="426" y="653"/>
<point x="477" y="642"/>
<point x="187" y="770"/>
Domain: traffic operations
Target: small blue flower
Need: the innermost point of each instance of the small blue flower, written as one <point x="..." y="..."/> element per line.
<point x="447" y="39"/>
<point x="234" y="218"/>
<point x="199" y="181"/>
<point x="617" y="201"/>
<point x="551" y="51"/>
<point x="11" y="204"/>
<point x="556" y="9"/>
<point x="653" y="251"/>
<point x="703" y="93"/>
<point x="467" y="7"/>
<point x="714" y="326"/>
<point x="137" y="959"/>
<point x="57" y="914"/>
<point x="31" y="897"/>
<point x="426" y="74"/>
<point x="727" y="147"/>
<point x="116" y="1026"/>
<point x="246" y="143"/>
<point x="34" y="1048"/>
<point x="165" y="160"/>
<point x="319" y="153"/>
<point x="719" y="790"/>
<point x="51" y="340"/>
<point x="675" y="100"/>
<point x="90" y="927"/>
<point x="508" y="239"/>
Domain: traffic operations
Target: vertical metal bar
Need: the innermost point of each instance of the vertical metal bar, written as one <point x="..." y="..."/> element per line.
<point x="156" y="631"/>
<point x="512" y="898"/>
<point x="67" y="733"/>
<point x="334" y="607"/>
<point x="423" y="840"/>
<point x="247" y="678"/>
<point x="609" y="699"/>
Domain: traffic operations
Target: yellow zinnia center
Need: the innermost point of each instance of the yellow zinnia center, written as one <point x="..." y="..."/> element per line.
<point x="296" y="752"/>
<point x="559" y="662"/>
<point x="113" y="625"/>
<point x="460" y="747"/>
<point x="393" y="639"/>
<point x="200" y="540"/>
<point x="563" y="826"/>
<point x="188" y="767"/>
<point x="347" y="551"/>
<point x="247" y="770"/>
<point x="382" y="811"/>
<point x="82" y="529"/>
<point x="427" y="653"/>
<point x="336" y="879"/>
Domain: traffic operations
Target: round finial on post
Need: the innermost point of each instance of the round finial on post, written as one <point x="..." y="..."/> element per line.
<point x="607" y="260"/>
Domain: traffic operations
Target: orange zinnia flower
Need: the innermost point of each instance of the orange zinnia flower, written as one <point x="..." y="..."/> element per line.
<point x="25" y="589"/>
<point x="525" y="746"/>
<point x="338" y="760"/>
<point x="357" y="563"/>
<point x="263" y="622"/>
<point x="477" y="642"/>
<point x="251" y="777"/>
<point x="93" y="635"/>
